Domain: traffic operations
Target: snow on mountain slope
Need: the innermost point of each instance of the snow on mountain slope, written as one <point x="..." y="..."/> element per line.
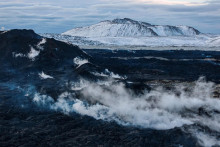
<point x="202" y="40"/>
<point x="130" y="28"/>
<point x="215" y="41"/>
<point x="174" y="30"/>
<point x="127" y="32"/>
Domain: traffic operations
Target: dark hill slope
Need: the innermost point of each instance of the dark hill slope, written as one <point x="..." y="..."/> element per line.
<point x="26" y="49"/>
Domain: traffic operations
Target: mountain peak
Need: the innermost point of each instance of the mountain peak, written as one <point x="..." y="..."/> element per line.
<point x="126" y="21"/>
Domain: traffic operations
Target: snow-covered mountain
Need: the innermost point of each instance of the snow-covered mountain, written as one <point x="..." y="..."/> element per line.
<point x="127" y="32"/>
<point x="130" y="28"/>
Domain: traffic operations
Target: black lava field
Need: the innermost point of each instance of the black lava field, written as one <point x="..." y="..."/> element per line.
<point x="55" y="94"/>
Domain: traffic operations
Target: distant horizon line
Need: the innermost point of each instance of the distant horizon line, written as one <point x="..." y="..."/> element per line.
<point x="120" y="18"/>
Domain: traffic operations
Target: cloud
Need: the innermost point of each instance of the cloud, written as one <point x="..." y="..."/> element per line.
<point x="54" y="16"/>
<point x="173" y="2"/>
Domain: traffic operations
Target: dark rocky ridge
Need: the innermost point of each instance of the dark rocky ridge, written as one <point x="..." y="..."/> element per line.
<point x="55" y="58"/>
<point x="52" y="53"/>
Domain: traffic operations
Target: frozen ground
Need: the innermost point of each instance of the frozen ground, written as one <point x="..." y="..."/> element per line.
<point x="198" y="42"/>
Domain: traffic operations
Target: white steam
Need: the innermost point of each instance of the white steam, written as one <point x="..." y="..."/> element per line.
<point x="109" y="74"/>
<point x="205" y="139"/>
<point x="78" y="85"/>
<point x="157" y="109"/>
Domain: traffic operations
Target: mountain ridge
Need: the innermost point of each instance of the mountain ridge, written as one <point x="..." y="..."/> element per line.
<point x="130" y="28"/>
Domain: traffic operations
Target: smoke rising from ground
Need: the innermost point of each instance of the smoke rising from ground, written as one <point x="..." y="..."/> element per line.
<point x="158" y="109"/>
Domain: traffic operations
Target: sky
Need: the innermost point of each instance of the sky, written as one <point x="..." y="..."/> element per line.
<point x="57" y="16"/>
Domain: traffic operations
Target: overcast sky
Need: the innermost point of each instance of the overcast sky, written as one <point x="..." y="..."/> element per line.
<point x="56" y="16"/>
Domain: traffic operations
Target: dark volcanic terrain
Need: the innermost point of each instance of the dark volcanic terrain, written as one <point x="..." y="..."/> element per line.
<point x="56" y="94"/>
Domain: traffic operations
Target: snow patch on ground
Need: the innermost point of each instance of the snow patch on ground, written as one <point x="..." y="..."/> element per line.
<point x="109" y="74"/>
<point x="33" y="54"/>
<point x="18" y="55"/>
<point x="79" y="61"/>
<point x="151" y="41"/>
<point x="42" y="42"/>
<point x="44" y="76"/>
<point x="199" y="41"/>
<point x="214" y="41"/>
